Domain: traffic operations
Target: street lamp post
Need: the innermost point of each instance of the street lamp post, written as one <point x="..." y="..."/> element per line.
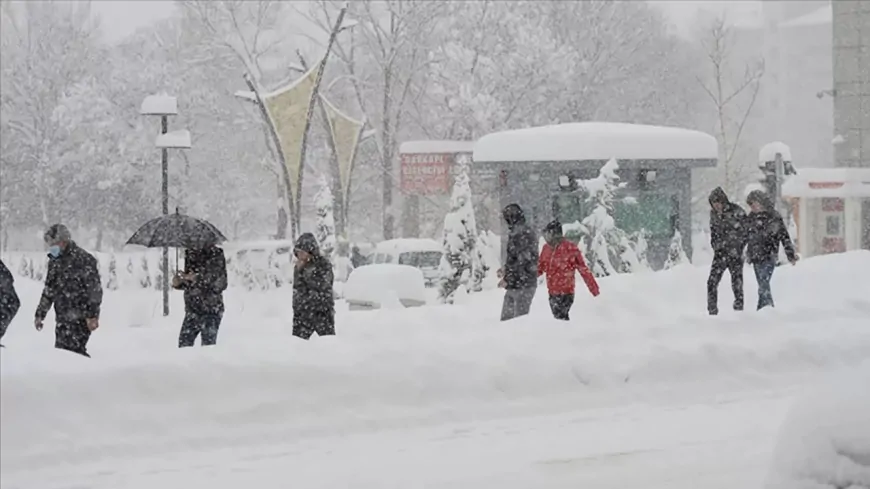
<point x="164" y="106"/>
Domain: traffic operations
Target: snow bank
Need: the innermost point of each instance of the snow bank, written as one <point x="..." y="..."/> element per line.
<point x="596" y="141"/>
<point x="768" y="152"/>
<point x="825" y="442"/>
<point x="645" y="334"/>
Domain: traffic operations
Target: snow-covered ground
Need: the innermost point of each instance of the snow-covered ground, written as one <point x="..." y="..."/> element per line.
<point x="640" y="390"/>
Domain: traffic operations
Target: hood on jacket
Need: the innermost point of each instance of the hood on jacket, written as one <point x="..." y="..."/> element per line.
<point x="553" y="232"/>
<point x="307" y="243"/>
<point x="513" y="214"/>
<point x="760" y="197"/>
<point x="719" y="195"/>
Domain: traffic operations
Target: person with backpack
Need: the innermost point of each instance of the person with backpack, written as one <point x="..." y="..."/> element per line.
<point x="766" y="231"/>
<point x="559" y="259"/>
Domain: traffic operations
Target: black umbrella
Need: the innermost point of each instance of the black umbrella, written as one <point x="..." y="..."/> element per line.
<point x="177" y="231"/>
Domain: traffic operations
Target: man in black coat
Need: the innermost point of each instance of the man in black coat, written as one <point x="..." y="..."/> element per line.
<point x="204" y="280"/>
<point x="767" y="231"/>
<point x="519" y="275"/>
<point x="313" y="300"/>
<point x="728" y="238"/>
<point x="72" y="286"/>
<point x="9" y="302"/>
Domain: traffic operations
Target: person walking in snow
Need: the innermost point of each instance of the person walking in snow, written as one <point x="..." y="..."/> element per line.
<point x="9" y="302"/>
<point x="203" y="281"/>
<point x="728" y="239"/>
<point x="73" y="287"/>
<point x="313" y="300"/>
<point x="559" y="259"/>
<point x="766" y="231"/>
<point x="356" y="258"/>
<point x="519" y="275"/>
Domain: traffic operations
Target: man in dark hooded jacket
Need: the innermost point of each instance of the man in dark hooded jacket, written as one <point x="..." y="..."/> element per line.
<point x="313" y="300"/>
<point x="9" y="302"/>
<point x="766" y="231"/>
<point x="728" y="238"/>
<point x="204" y="280"/>
<point x="73" y="287"/>
<point x="520" y="271"/>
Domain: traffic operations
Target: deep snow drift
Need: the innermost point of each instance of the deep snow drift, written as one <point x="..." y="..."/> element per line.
<point x="646" y="340"/>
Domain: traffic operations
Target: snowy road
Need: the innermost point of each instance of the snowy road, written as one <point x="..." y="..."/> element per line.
<point x="720" y="444"/>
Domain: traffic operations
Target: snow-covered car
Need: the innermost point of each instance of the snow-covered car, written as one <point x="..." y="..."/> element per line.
<point x="423" y="254"/>
<point x="384" y="286"/>
<point x="825" y="440"/>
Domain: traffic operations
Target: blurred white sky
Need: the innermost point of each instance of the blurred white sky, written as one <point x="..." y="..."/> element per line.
<point x="122" y="17"/>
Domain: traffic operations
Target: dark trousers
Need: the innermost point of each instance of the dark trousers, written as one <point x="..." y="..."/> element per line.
<point x="307" y="324"/>
<point x="734" y="265"/>
<point x="763" y="274"/>
<point x="517" y="302"/>
<point x="72" y="336"/>
<point x="561" y="304"/>
<point x="198" y="323"/>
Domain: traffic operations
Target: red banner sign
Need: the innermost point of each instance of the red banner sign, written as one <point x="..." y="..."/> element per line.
<point x="426" y="174"/>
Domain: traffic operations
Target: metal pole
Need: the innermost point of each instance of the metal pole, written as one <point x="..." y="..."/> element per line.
<point x="778" y="168"/>
<point x="164" y="123"/>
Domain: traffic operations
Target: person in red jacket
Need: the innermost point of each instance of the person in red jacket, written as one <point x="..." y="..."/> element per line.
<point x="559" y="259"/>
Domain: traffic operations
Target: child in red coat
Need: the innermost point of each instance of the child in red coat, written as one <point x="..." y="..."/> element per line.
<point x="559" y="259"/>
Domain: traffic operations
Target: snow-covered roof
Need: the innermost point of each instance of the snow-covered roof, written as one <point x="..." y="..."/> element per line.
<point x="430" y="147"/>
<point x="820" y="16"/>
<point x="585" y="141"/>
<point x="768" y="152"/>
<point x="408" y="245"/>
<point x="828" y="182"/>
<point x="176" y="139"/>
<point x="159" y="105"/>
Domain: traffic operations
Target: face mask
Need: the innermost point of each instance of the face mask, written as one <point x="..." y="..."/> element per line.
<point x="54" y="250"/>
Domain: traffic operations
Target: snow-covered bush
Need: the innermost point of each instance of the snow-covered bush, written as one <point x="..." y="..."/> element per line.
<point x="676" y="253"/>
<point x="606" y="247"/>
<point x="461" y="262"/>
<point x="325" y="228"/>
<point x="825" y="440"/>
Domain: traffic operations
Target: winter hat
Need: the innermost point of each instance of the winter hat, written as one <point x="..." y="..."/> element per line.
<point x="307" y="243"/>
<point x="513" y="214"/>
<point x="57" y="233"/>
<point x="554" y="228"/>
<point x="718" y="195"/>
<point x="759" y="197"/>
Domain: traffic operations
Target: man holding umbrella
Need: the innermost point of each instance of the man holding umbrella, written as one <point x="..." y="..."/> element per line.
<point x="72" y="286"/>
<point x="205" y="271"/>
<point x="204" y="280"/>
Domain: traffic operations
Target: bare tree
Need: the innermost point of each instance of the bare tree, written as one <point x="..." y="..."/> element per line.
<point x="383" y="58"/>
<point x="732" y="92"/>
<point x="249" y="33"/>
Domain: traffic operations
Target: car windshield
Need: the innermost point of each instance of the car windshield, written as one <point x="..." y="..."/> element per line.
<point x="421" y="259"/>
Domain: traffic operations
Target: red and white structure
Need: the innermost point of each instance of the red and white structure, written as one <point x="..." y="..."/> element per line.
<point x="831" y="208"/>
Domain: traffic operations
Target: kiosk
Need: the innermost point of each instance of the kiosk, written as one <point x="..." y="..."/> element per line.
<point x="831" y="208"/>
